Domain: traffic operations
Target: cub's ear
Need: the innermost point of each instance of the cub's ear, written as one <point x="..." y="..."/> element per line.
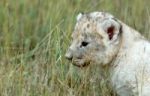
<point x="112" y="27"/>
<point x="79" y="16"/>
<point x="110" y="31"/>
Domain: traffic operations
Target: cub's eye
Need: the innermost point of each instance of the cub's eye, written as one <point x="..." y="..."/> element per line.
<point x="84" y="44"/>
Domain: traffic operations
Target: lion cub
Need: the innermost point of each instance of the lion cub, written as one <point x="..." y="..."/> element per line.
<point x="100" y="38"/>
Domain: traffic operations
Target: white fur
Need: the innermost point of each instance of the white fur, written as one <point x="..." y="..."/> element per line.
<point x="131" y="69"/>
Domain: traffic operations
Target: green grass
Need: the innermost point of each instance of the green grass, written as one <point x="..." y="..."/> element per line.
<point x="34" y="35"/>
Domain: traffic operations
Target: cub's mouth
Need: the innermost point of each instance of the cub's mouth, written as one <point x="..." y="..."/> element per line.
<point x="80" y="62"/>
<point x="77" y="61"/>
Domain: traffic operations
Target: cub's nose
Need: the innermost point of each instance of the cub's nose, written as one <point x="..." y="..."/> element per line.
<point x="69" y="55"/>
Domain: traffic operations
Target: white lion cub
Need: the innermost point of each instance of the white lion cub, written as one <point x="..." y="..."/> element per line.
<point x="100" y="38"/>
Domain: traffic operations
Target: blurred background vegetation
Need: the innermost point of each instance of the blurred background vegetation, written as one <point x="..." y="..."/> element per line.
<point x="34" y="35"/>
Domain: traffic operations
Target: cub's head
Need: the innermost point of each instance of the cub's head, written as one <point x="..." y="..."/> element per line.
<point x="96" y="39"/>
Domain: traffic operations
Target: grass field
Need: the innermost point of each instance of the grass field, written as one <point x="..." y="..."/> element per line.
<point x="34" y="35"/>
